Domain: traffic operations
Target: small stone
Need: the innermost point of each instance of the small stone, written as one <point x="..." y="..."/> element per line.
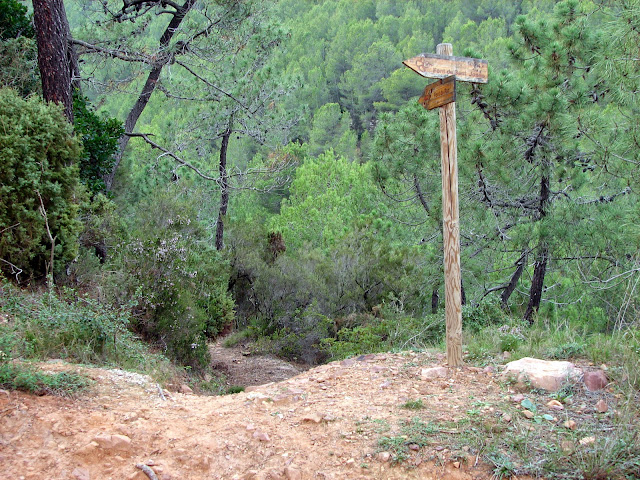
<point x="81" y="474"/>
<point x="555" y="405"/>
<point x="186" y="389"/>
<point x="570" y="424"/>
<point x="384" y="456"/>
<point x="489" y="369"/>
<point x="112" y="442"/>
<point x="433" y="372"/>
<point x="414" y="446"/>
<point x="386" y="384"/>
<point x="257" y="396"/>
<point x="517" y="398"/>
<point x="349" y="362"/>
<point x="595" y="380"/>
<point x="261" y="436"/>
<point x="292" y="473"/>
<point x="456" y="464"/>
<point x="602" y="406"/>
<point x="250" y="427"/>
<point x="528" y="414"/>
<point x="313" y="418"/>
<point x="506" y="355"/>
<point x="506" y="418"/>
<point x="587" y="441"/>
<point x="88" y="449"/>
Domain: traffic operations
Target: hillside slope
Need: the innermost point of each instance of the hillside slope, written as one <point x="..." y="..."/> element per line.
<point x="377" y="416"/>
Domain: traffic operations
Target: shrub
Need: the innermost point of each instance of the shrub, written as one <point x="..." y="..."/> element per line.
<point x="100" y="141"/>
<point x="69" y="326"/>
<point x="487" y="312"/>
<point x="26" y="378"/>
<point x="181" y="278"/>
<point x="38" y="186"/>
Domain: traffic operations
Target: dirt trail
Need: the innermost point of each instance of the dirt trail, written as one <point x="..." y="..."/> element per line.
<point x="243" y="368"/>
<point x="324" y="423"/>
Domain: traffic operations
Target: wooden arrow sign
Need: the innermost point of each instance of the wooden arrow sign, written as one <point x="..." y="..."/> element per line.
<point x="442" y="94"/>
<point x="440" y="66"/>
<point x="439" y="94"/>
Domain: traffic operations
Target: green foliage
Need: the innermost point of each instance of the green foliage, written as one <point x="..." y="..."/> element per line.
<point x="19" y="65"/>
<point x="38" y="186"/>
<point x="99" y="136"/>
<point x="302" y="339"/>
<point x="28" y="379"/>
<point x="70" y="326"/>
<point x="181" y="279"/>
<point x="413" y="404"/>
<point x="14" y="21"/>
<point x="393" y="331"/>
<point x="488" y="312"/>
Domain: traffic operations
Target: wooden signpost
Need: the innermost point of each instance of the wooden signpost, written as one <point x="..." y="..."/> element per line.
<point x="441" y="94"/>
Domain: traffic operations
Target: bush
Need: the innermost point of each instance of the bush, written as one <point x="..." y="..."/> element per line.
<point x="487" y="312"/>
<point x="394" y="330"/>
<point x="72" y="327"/>
<point x="181" y="278"/>
<point x="38" y="186"/>
<point x="27" y="379"/>
<point x="100" y="141"/>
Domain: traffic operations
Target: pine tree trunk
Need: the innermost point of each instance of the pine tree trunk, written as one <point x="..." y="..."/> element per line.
<point x="506" y="293"/>
<point x="54" y="55"/>
<point x="224" y="188"/>
<point x="540" y="267"/>
<point x="149" y="87"/>
<point x="537" y="284"/>
<point x="435" y="300"/>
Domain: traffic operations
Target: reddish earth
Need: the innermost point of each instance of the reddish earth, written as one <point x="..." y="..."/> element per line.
<point x="325" y="423"/>
<point x="319" y="424"/>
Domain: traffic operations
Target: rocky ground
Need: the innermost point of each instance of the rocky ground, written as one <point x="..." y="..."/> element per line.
<point x="386" y="416"/>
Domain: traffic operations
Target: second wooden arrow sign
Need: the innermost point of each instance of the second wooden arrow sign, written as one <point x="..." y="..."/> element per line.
<point x="439" y="93"/>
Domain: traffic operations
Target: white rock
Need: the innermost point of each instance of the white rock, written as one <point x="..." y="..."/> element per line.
<point x="547" y="375"/>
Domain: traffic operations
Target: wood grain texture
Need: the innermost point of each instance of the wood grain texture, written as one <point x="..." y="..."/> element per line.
<point x="451" y="227"/>
<point x="439" y="93"/>
<point x="440" y="65"/>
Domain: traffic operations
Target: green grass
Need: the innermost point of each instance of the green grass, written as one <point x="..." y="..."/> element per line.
<point x="65" y="325"/>
<point x="413" y="404"/>
<point x="28" y="379"/>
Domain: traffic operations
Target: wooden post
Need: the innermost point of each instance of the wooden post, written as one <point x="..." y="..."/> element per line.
<point x="451" y="226"/>
<point x="449" y="69"/>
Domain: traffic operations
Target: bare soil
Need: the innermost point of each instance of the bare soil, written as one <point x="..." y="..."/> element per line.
<point x="325" y="423"/>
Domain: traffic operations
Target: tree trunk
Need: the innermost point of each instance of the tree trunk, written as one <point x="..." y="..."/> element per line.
<point x="540" y="268"/>
<point x="55" y="58"/>
<point x="537" y="284"/>
<point x="224" y="188"/>
<point x="510" y="288"/>
<point x="164" y="57"/>
<point x="435" y="300"/>
<point x="463" y="295"/>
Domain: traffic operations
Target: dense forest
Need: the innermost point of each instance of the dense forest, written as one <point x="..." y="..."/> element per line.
<point x="184" y="169"/>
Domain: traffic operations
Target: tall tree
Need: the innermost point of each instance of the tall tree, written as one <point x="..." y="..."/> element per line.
<point x="195" y="42"/>
<point x="56" y="59"/>
<point x="535" y="165"/>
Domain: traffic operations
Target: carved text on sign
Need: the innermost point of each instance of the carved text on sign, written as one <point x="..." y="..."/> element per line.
<point x="439" y="93"/>
<point x="440" y="66"/>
